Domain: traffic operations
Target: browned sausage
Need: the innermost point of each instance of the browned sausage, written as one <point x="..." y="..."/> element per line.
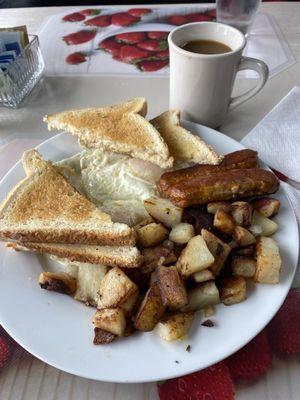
<point x="237" y="160"/>
<point x="225" y="185"/>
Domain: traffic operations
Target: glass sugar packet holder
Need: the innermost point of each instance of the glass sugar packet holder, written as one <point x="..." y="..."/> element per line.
<point x="22" y="74"/>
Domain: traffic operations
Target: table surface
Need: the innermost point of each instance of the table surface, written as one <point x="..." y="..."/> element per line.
<point x="58" y="93"/>
<point x="31" y="379"/>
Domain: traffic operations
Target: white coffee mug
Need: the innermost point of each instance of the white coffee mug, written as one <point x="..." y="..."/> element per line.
<point x="201" y="84"/>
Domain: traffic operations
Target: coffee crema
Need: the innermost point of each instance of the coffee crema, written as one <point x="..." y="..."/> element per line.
<point x="206" y="47"/>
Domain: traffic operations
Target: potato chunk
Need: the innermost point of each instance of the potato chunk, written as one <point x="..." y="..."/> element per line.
<point x="151" y="310"/>
<point x="172" y="289"/>
<point x="243" y="266"/>
<point x="224" y="222"/>
<point x="203" y="295"/>
<point x="195" y="257"/>
<point x="214" y="206"/>
<point x="241" y="212"/>
<point x="60" y="282"/>
<point x="203" y="276"/>
<point x="103" y="337"/>
<point x="243" y="237"/>
<point x="267" y="206"/>
<point x="110" y="320"/>
<point x="218" y="249"/>
<point x="175" y="326"/>
<point x="268" y="261"/>
<point x="152" y="234"/>
<point x="115" y="289"/>
<point x="233" y="290"/>
<point x="89" y="277"/>
<point x="262" y="226"/>
<point x="182" y="233"/>
<point x="163" y="210"/>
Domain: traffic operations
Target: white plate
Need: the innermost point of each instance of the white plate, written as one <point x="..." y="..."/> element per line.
<point x="58" y="330"/>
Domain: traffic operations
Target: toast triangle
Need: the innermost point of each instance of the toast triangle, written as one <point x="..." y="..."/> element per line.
<point x="45" y="208"/>
<point x="121" y="128"/>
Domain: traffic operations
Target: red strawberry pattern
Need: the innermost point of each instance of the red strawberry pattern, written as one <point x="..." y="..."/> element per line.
<point x="111" y="46"/>
<point x="156" y="35"/>
<point x="74" y="17"/>
<point x="151" y="66"/>
<point x="213" y="383"/>
<point x="177" y="20"/>
<point x="124" y="19"/>
<point x="198" y="17"/>
<point x="79" y="37"/>
<point x="252" y="361"/>
<point x="284" y="329"/>
<point x="76" y="58"/>
<point x="90" y="11"/>
<point x="4" y="352"/>
<point x="162" y="54"/>
<point x="101" y="21"/>
<point x="153" y="45"/>
<point x="130" y="54"/>
<point x="131" y="37"/>
<point x="139" y="12"/>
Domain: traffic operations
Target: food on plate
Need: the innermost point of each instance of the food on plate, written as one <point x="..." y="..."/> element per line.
<point x="233" y="290"/>
<point x="183" y="145"/>
<point x="144" y="242"/>
<point x="121" y="128"/>
<point x="57" y="282"/>
<point x="268" y="261"/>
<point x="174" y="327"/>
<point x="224" y="185"/>
<point x="242" y="159"/>
<point x="45" y="208"/>
<point x="182" y="233"/>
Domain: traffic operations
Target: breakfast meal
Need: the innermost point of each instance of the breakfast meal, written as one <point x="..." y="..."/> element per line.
<point x="148" y="223"/>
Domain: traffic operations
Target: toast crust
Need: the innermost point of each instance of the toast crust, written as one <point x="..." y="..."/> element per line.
<point x="125" y="257"/>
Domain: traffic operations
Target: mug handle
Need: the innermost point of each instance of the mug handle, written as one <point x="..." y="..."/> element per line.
<point x="262" y="69"/>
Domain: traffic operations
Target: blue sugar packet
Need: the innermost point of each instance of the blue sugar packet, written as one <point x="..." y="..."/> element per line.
<point x="2" y="46"/>
<point x="8" y="55"/>
<point x="12" y="41"/>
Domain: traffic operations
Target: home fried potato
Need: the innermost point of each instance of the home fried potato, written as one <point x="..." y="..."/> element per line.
<point x="224" y="222"/>
<point x="203" y="276"/>
<point x="60" y="282"/>
<point x="268" y="261"/>
<point x="214" y="206"/>
<point x="163" y="210"/>
<point x="242" y="236"/>
<point x="174" y="327"/>
<point x="241" y="212"/>
<point x="243" y="266"/>
<point x="267" y="206"/>
<point x="151" y="310"/>
<point x="89" y="277"/>
<point x="233" y="290"/>
<point x="203" y="295"/>
<point x="218" y="249"/>
<point x="262" y="226"/>
<point x="102" y="337"/>
<point x="172" y="289"/>
<point x="152" y="234"/>
<point x="110" y="320"/>
<point x="182" y="233"/>
<point x="195" y="257"/>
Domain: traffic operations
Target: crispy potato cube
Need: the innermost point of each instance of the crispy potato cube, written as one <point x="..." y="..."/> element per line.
<point x="267" y="206"/>
<point x="153" y="278"/>
<point x="172" y="289"/>
<point x="110" y="320"/>
<point x="129" y="304"/>
<point x="218" y="249"/>
<point x="163" y="210"/>
<point x="115" y="289"/>
<point x="241" y="212"/>
<point x="224" y="222"/>
<point x="182" y="233"/>
<point x="208" y="311"/>
<point x="155" y="256"/>
<point x="262" y="226"/>
<point x="150" y="311"/>
<point x="102" y="337"/>
<point x="195" y="257"/>
<point x="89" y="277"/>
<point x="203" y="276"/>
<point x="175" y="326"/>
<point x="233" y="290"/>
<point x="268" y="261"/>
<point x="152" y="234"/>
<point x="243" y="266"/>
<point x="203" y="295"/>
<point x="214" y="206"/>
<point x="242" y="236"/>
<point x="60" y="282"/>
<point x="247" y="251"/>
